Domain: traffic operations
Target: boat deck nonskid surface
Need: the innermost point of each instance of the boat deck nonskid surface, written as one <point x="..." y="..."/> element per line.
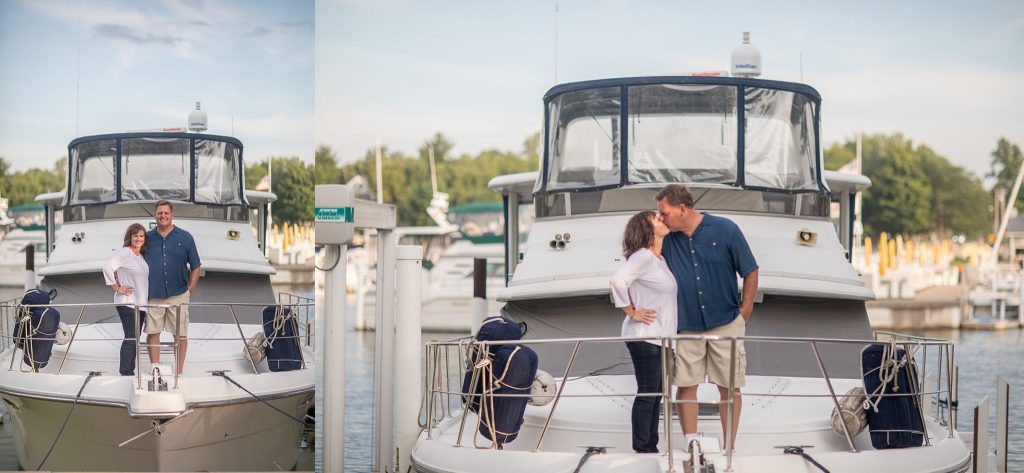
<point x="767" y="423"/>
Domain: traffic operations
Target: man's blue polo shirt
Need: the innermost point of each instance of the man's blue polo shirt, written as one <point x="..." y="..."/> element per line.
<point x="705" y="266"/>
<point x="170" y="260"/>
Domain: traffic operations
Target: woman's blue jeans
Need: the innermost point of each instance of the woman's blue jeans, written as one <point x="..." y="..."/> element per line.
<point x="646" y="409"/>
<point x="128" y="322"/>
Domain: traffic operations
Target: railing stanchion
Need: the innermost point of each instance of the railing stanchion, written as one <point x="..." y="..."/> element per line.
<point x="138" y="349"/>
<point x="245" y="345"/>
<point x="473" y="379"/>
<point x="78" y="323"/>
<point x="558" y="395"/>
<point x="730" y="411"/>
<point x="832" y="392"/>
<point x="666" y="392"/>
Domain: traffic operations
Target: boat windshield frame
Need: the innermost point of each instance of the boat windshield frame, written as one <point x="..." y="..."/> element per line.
<point x="617" y="92"/>
<point x="200" y="175"/>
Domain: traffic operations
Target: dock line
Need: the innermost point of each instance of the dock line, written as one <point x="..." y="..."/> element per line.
<point x="67" y="417"/>
<point x="224" y="375"/>
<point x="800" y="451"/>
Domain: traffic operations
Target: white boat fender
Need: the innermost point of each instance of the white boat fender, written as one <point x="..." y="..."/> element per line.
<point x="64" y="334"/>
<point x="543" y="390"/>
<point x="853" y="407"/>
<point x="256" y="348"/>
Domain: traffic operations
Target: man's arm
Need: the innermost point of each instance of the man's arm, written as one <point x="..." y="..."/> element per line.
<point x="749" y="291"/>
<point x="193" y="279"/>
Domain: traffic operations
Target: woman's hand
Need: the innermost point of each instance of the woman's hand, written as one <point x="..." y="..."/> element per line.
<point x="126" y="290"/>
<point x="644" y="316"/>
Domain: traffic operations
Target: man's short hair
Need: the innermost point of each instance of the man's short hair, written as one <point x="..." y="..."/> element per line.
<point x="164" y="202"/>
<point x="676" y="194"/>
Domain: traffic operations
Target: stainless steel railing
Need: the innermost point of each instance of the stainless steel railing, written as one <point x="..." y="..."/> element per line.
<point x="301" y="307"/>
<point x="446" y="360"/>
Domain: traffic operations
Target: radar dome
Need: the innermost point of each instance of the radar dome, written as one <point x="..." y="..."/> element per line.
<point x="746" y="59"/>
<point x="197" y="120"/>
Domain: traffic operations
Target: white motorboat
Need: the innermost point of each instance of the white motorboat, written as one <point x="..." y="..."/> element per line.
<point x="13" y="253"/>
<point x="750" y="151"/>
<point x="224" y="412"/>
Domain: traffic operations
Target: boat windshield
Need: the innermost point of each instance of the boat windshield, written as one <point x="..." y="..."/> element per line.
<point x="146" y="167"/>
<point x="744" y="133"/>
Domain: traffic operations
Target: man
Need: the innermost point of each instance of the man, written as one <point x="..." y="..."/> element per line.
<point x="705" y="253"/>
<point x="173" y="274"/>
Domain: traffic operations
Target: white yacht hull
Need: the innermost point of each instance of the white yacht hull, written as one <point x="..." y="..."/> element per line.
<point x="239" y="436"/>
<point x="206" y="423"/>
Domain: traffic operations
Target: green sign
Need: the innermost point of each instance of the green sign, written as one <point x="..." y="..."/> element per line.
<point x="334" y="215"/>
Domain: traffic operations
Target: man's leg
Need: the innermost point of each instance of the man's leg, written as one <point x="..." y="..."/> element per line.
<point x="737" y="404"/>
<point x="688" y="410"/>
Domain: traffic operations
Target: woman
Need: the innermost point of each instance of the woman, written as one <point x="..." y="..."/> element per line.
<point x="128" y="274"/>
<point x="646" y="290"/>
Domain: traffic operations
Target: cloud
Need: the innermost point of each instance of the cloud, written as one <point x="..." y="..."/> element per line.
<point x="283" y="27"/>
<point x="133" y="35"/>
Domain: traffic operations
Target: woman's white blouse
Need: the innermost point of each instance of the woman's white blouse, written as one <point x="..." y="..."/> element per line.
<point x="132" y="271"/>
<point x="646" y="282"/>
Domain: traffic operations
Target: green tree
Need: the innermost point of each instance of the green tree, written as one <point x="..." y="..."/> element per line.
<point x="900" y="195"/>
<point x="406" y="179"/>
<point x="958" y="197"/>
<point x="441" y="145"/>
<point x="1006" y="161"/>
<point x="837" y="155"/>
<point x="326" y="166"/>
<point x="292" y="182"/>
<point x="22" y="187"/>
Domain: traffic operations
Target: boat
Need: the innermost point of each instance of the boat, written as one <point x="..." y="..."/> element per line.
<point x="13" y="249"/>
<point x="226" y="411"/>
<point x="750" y="150"/>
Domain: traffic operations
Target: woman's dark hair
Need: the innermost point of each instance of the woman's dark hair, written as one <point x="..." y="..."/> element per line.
<point x="639" y="232"/>
<point x="133" y="229"/>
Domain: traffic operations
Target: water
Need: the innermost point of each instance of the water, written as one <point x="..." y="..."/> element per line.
<point x="981" y="356"/>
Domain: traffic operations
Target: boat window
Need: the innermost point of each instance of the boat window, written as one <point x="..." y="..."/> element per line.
<point x="585" y="139"/>
<point x="714" y="199"/>
<point x="217" y="172"/>
<point x="155" y="168"/>
<point x="92" y="172"/>
<point x="780" y="140"/>
<point x="682" y="133"/>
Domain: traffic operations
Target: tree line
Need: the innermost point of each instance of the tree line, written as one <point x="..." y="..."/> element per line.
<point x="406" y="180"/>
<point x="915" y="190"/>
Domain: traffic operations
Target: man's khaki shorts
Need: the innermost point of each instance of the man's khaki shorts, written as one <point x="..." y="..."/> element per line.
<point x="160" y="319"/>
<point x="696" y="360"/>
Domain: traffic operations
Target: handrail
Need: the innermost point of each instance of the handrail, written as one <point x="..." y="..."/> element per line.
<point x="441" y="386"/>
<point x="9" y="312"/>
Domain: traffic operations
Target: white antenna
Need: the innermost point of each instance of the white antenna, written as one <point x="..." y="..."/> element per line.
<point x="556" y="41"/>
<point x="380" y="179"/>
<point x="433" y="170"/>
<point x="78" y="63"/>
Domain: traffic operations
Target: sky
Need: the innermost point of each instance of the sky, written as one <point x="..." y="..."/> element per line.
<point x="947" y="74"/>
<point x="71" y="68"/>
